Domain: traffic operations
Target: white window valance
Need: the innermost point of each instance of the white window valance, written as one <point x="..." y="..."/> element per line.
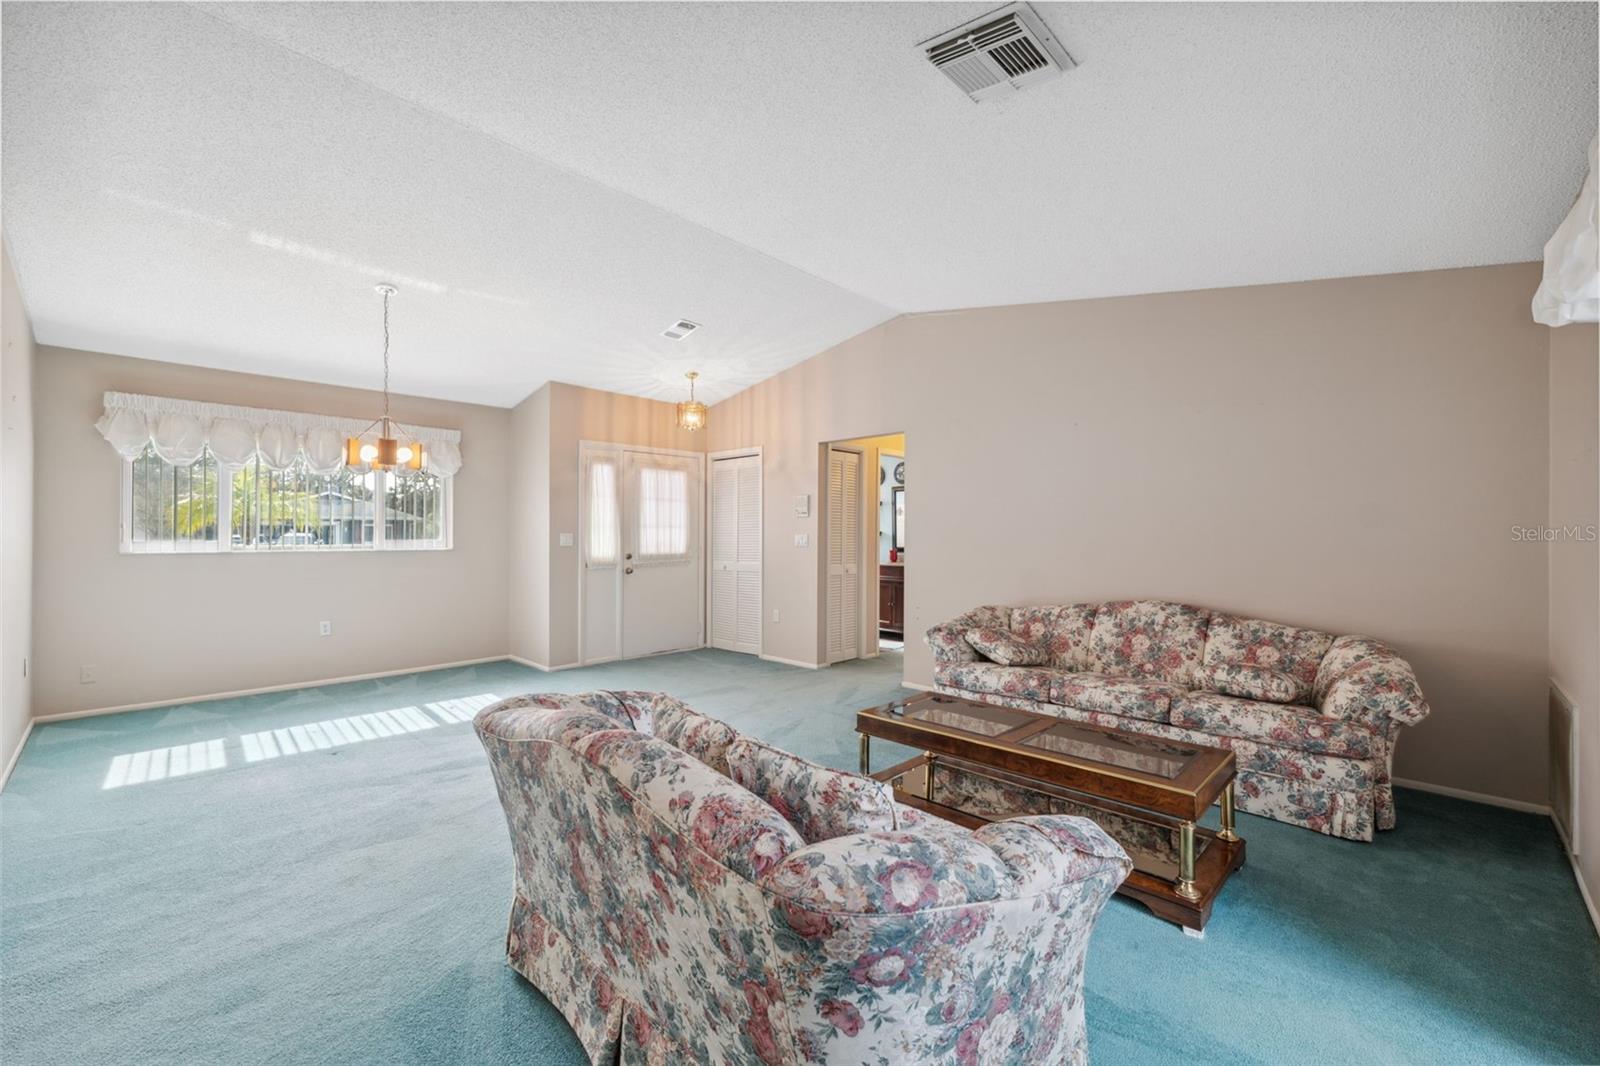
<point x="1570" y="291"/>
<point x="180" y="430"/>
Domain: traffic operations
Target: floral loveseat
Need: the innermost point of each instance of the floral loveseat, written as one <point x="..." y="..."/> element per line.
<point x="675" y="916"/>
<point x="1312" y="718"/>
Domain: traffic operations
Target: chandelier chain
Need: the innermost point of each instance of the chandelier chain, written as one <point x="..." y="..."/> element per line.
<point x="386" y="358"/>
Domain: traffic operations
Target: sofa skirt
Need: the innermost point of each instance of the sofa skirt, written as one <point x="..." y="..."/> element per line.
<point x="1339" y="796"/>
<point x="611" y="1030"/>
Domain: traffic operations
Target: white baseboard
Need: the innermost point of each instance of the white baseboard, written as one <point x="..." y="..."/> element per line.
<point x="794" y="662"/>
<point x="11" y="764"/>
<point x="542" y="668"/>
<point x="1475" y="797"/>
<point x="919" y="688"/>
<point x="1583" y="890"/>
<point x="206" y="698"/>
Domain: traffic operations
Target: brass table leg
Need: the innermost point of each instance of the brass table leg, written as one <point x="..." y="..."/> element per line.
<point x="1186" y="886"/>
<point x="927" y="792"/>
<point x="866" y="754"/>
<point x="1227" y="816"/>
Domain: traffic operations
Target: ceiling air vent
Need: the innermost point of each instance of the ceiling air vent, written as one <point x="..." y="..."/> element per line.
<point x="680" y="329"/>
<point x="999" y="53"/>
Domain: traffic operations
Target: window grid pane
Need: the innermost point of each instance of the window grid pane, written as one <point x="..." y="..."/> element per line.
<point x="414" y="511"/>
<point x="172" y="509"/>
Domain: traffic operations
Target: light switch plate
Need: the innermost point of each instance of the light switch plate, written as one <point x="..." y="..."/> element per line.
<point x="566" y="540"/>
<point x="802" y="540"/>
<point x="802" y="506"/>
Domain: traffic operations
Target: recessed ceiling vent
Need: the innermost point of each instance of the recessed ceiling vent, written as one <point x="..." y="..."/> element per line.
<point x="998" y="54"/>
<point x="680" y="329"/>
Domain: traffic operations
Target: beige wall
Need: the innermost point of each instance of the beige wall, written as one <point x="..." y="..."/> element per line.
<point x="578" y="414"/>
<point x="16" y="514"/>
<point x="528" y="501"/>
<point x="1575" y="562"/>
<point x="161" y="627"/>
<point x="1347" y="454"/>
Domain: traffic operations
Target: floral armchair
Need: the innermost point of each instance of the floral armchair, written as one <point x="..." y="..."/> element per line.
<point x="674" y="915"/>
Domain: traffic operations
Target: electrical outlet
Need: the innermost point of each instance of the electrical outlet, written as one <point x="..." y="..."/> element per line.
<point x="777" y="615"/>
<point x="802" y="540"/>
<point x="325" y="628"/>
<point x="566" y="540"/>
<point x="86" y="675"/>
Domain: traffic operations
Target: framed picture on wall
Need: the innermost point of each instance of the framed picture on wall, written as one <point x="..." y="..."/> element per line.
<point x="899" y="540"/>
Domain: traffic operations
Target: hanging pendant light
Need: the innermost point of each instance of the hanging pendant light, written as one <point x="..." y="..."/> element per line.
<point x="389" y="450"/>
<point x="692" y="413"/>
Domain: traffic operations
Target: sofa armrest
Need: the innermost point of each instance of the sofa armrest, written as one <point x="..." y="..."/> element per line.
<point x="949" y="639"/>
<point x="554" y="716"/>
<point x="934" y="864"/>
<point x="1363" y="680"/>
<point x="903" y="947"/>
<point x="1046" y="851"/>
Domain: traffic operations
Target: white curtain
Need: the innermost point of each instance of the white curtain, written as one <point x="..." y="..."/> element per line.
<point x="663" y="513"/>
<point x="1570" y="291"/>
<point x="603" y="528"/>
<point x="180" y="430"/>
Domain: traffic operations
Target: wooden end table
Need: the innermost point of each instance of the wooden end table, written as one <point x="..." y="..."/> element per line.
<point x="1126" y="782"/>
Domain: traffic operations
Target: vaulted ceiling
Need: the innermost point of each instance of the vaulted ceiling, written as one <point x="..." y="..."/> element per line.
<point x="552" y="185"/>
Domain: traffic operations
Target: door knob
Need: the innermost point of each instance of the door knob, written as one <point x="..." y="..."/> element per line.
<point x="627" y="570"/>
<point x="628" y="556"/>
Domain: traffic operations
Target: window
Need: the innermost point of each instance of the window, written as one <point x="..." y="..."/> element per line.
<point x="276" y="510"/>
<point x="414" y="511"/>
<point x="172" y="508"/>
<point x="601" y="543"/>
<point x="200" y="508"/>
<point x="663" y="514"/>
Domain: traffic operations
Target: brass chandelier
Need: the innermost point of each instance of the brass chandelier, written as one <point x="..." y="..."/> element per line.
<point x="394" y="446"/>
<point x="691" y="413"/>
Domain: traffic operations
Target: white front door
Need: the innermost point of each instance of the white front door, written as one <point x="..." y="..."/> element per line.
<point x="735" y="554"/>
<point x="844" y="555"/>
<point x="661" y="577"/>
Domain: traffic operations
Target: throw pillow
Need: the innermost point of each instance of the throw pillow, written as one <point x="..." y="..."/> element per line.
<point x="1007" y="649"/>
<point x="820" y="803"/>
<point x="1252" y="683"/>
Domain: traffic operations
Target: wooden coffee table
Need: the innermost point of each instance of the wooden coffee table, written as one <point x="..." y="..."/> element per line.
<point x="1147" y="792"/>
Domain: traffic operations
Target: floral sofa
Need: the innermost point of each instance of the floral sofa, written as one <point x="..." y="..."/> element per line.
<point x="1312" y="718"/>
<point x="674" y="915"/>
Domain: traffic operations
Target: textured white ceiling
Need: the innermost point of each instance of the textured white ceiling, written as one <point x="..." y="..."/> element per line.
<point x="566" y="179"/>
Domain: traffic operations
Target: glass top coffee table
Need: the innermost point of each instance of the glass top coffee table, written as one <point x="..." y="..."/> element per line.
<point x="1147" y="792"/>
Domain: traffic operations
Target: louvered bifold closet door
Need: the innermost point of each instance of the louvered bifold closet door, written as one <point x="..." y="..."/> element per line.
<point x="736" y="554"/>
<point x="844" y="555"/>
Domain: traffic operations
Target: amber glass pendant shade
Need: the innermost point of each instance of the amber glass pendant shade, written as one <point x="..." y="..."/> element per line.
<point x="691" y="413"/>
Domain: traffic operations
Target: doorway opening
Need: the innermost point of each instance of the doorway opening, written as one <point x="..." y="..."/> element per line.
<point x="862" y="578"/>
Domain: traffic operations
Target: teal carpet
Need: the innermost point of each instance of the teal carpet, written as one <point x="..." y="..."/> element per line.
<point x="277" y="885"/>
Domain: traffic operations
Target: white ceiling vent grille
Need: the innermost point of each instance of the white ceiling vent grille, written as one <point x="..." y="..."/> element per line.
<point x="998" y="54"/>
<point x="680" y="329"/>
